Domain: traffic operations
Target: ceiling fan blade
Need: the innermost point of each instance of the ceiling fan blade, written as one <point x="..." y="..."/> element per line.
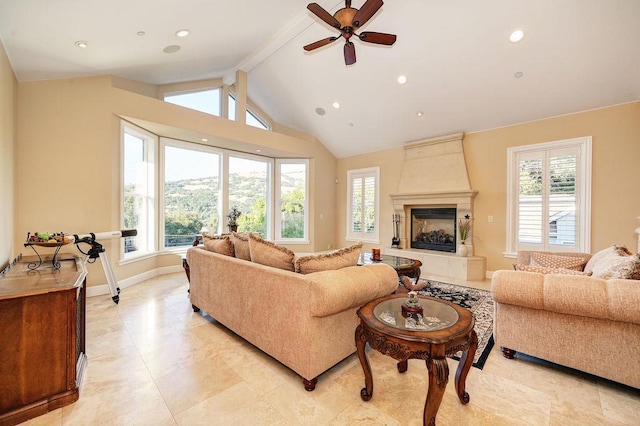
<point x="368" y="9"/>
<point x="377" y="38"/>
<point x="323" y="14"/>
<point x="320" y="43"/>
<point x="349" y="53"/>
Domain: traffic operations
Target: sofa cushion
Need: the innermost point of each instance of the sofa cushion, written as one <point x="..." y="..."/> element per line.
<point x="219" y="244"/>
<point x="547" y="270"/>
<point x="557" y="261"/>
<point x="619" y="266"/>
<point x="241" y="245"/>
<point x="620" y="249"/>
<point x="329" y="261"/>
<point x="270" y="254"/>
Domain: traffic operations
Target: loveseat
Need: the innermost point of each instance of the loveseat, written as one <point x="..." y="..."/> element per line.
<point x="575" y="319"/>
<point x="304" y="320"/>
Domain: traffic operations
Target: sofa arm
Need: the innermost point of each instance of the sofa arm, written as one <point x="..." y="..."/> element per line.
<point x="518" y="288"/>
<point x="350" y="287"/>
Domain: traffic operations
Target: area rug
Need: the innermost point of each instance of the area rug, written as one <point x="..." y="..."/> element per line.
<point x="477" y="301"/>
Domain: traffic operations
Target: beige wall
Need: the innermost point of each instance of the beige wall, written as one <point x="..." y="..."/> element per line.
<point x="616" y="159"/>
<point x="68" y="165"/>
<point x="8" y="103"/>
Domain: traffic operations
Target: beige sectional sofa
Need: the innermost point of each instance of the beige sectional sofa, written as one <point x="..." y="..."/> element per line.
<point x="576" y="320"/>
<point x="305" y="321"/>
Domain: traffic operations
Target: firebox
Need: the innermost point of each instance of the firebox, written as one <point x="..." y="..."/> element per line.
<point x="434" y="228"/>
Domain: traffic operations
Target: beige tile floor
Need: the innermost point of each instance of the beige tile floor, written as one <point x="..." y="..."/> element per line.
<point x="153" y="361"/>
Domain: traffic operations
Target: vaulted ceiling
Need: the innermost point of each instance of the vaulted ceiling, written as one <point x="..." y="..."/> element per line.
<point x="463" y="73"/>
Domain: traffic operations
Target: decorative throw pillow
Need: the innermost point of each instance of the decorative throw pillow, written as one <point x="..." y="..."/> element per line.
<point x="616" y="266"/>
<point x="329" y="261"/>
<point x="618" y="249"/>
<point x="241" y="245"/>
<point x="270" y="254"/>
<point x="219" y="244"/>
<point x="557" y="261"/>
<point x="546" y="270"/>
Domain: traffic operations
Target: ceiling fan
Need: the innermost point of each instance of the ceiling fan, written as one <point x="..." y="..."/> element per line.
<point x="347" y="20"/>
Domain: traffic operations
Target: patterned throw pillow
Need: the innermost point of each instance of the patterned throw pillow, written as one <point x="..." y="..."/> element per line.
<point x="546" y="270"/>
<point x="328" y="261"/>
<point x="616" y="266"/>
<point x="241" y="245"/>
<point x="219" y="244"/>
<point x="557" y="261"/>
<point x="270" y="254"/>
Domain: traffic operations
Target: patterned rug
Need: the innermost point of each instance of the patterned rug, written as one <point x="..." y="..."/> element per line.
<point x="477" y="301"/>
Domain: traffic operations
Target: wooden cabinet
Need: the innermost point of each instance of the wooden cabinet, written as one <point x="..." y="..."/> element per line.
<point x="42" y="338"/>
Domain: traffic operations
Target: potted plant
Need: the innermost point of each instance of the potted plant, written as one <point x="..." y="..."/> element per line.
<point x="464" y="228"/>
<point x="233" y="216"/>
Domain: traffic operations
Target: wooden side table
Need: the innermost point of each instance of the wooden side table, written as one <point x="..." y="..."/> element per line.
<point x="445" y="329"/>
<point x="402" y="265"/>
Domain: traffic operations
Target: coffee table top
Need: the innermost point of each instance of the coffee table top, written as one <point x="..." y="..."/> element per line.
<point x="398" y="263"/>
<point x="445" y="321"/>
<point x="436" y="315"/>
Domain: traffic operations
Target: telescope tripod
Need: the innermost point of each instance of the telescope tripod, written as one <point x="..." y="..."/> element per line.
<point x="98" y="251"/>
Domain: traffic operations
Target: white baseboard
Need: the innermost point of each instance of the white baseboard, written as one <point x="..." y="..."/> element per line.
<point x="102" y="289"/>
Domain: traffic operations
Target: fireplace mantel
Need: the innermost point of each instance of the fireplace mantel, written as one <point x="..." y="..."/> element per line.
<point x="423" y="198"/>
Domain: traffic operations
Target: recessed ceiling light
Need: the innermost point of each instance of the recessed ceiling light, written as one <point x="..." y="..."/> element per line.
<point x="141" y="33"/>
<point x="171" y="49"/>
<point x="182" y="33"/>
<point x="82" y="43"/>
<point x="204" y="140"/>
<point x="516" y="36"/>
<point x="258" y="150"/>
<point x="518" y="74"/>
<point x="320" y="111"/>
<point x="419" y="113"/>
<point x="402" y="79"/>
<point x="350" y="124"/>
<point x="336" y="105"/>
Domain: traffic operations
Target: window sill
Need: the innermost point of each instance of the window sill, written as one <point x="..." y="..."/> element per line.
<point x="293" y="242"/>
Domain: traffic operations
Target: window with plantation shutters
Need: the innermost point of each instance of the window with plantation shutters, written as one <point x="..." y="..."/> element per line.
<point x="549" y="188"/>
<point x="362" y="205"/>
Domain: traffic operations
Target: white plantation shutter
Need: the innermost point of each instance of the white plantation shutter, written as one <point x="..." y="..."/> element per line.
<point x="362" y="203"/>
<point x="549" y="187"/>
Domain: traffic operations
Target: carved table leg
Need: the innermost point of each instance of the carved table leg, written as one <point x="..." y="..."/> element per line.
<point x="464" y="366"/>
<point x="438" y="378"/>
<point x="402" y="366"/>
<point x="187" y="270"/>
<point x="366" y="392"/>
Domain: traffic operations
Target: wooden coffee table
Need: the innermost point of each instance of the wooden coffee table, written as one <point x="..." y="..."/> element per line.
<point x="402" y="265"/>
<point x="446" y="329"/>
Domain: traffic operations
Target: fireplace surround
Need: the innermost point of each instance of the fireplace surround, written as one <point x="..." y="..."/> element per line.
<point x="434" y="176"/>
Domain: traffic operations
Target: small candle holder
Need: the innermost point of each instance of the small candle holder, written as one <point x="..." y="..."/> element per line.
<point x="375" y="254"/>
<point x="412" y="308"/>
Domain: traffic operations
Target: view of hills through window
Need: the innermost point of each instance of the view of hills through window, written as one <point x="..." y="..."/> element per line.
<point x="191" y="204"/>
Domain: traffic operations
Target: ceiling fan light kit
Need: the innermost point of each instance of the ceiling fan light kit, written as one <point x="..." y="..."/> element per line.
<point x="347" y="20"/>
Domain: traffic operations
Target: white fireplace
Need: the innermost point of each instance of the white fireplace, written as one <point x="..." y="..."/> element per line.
<point x="434" y="174"/>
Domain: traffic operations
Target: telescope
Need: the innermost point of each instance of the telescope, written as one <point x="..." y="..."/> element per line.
<point x="96" y="251"/>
